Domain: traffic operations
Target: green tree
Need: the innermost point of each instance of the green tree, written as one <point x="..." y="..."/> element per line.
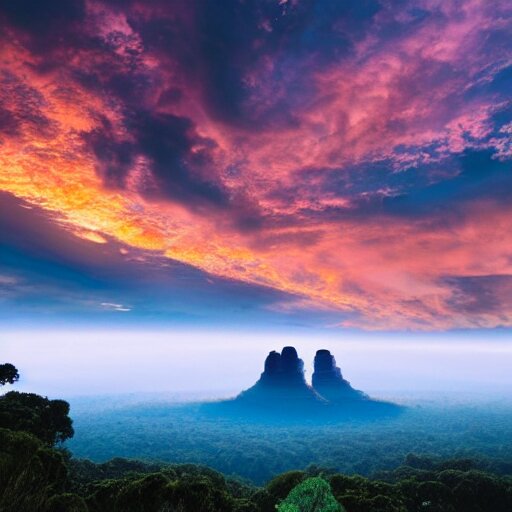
<point x="191" y="494"/>
<point x="281" y="485"/>
<point x="288" y="507"/>
<point x="30" y="472"/>
<point x="147" y="494"/>
<point x="312" y="495"/>
<point x="8" y="374"/>
<point x="46" y="419"/>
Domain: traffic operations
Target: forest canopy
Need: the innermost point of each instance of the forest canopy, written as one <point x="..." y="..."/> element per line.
<point x="38" y="474"/>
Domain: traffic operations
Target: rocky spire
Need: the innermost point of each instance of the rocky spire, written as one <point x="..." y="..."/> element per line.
<point x="282" y="383"/>
<point x="282" y="392"/>
<point x="328" y="381"/>
<point x="273" y="363"/>
<point x="290" y="362"/>
<point x="325" y="365"/>
<point x="285" y="368"/>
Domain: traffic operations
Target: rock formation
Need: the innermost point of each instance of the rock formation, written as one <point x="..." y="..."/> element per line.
<point x="328" y="381"/>
<point x="282" y="393"/>
<point x="282" y="383"/>
<point x="283" y="368"/>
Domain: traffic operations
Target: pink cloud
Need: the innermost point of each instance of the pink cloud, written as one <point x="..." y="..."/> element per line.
<point x="402" y="99"/>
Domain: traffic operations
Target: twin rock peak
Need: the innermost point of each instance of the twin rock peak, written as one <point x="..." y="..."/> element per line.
<point x="283" y="393"/>
<point x="284" y="372"/>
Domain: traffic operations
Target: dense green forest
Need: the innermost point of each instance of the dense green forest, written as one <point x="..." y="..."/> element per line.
<point x="37" y="472"/>
<point x="260" y="451"/>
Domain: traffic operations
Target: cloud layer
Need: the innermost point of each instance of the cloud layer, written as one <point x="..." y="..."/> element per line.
<point x="354" y="156"/>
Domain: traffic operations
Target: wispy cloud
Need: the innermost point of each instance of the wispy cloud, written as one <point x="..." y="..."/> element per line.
<point x="114" y="307"/>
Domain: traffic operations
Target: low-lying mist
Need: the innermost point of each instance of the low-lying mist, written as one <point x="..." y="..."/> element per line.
<point x="139" y="395"/>
<point x="219" y="364"/>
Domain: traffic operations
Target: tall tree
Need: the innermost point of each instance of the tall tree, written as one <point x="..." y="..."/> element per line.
<point x="312" y="495"/>
<point x="46" y="419"/>
<point x="8" y="374"/>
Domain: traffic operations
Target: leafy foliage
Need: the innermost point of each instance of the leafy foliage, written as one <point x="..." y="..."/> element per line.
<point x="30" y="472"/>
<point x="36" y="477"/>
<point x="312" y="495"/>
<point x="189" y="488"/>
<point x="8" y="374"/>
<point x="46" y="419"/>
<point x="282" y="485"/>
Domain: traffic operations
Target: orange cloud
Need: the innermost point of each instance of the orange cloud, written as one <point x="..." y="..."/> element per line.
<point x="379" y="271"/>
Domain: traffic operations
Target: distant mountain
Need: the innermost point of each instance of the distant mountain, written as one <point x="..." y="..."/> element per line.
<point x="328" y="381"/>
<point x="282" y="384"/>
<point x="282" y="392"/>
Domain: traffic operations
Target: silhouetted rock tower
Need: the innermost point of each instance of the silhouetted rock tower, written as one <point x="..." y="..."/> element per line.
<point x="284" y="368"/>
<point x="282" y="382"/>
<point x="282" y="392"/>
<point x="328" y="381"/>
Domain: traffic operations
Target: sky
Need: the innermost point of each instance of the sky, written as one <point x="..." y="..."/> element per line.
<point x="277" y="164"/>
<point x="194" y="364"/>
